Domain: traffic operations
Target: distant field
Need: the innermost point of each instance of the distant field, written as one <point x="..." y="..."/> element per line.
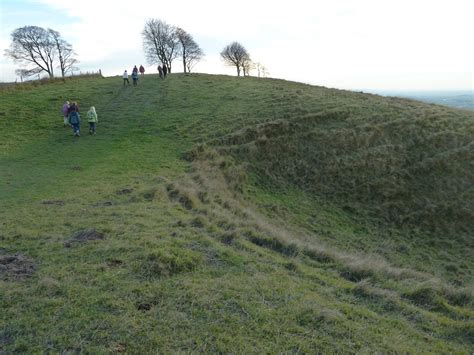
<point x="456" y="99"/>
<point x="234" y="215"/>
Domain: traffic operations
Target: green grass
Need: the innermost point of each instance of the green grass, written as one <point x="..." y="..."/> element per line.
<point x="212" y="241"/>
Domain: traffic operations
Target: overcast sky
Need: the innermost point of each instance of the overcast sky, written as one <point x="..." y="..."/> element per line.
<point x="353" y="44"/>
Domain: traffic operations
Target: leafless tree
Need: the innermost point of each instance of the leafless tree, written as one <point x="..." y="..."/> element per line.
<point x="236" y="55"/>
<point x="64" y="51"/>
<point x="262" y="71"/>
<point x="32" y="45"/>
<point x="247" y="66"/>
<point x="22" y="73"/>
<point x="160" y="42"/>
<point x="39" y="49"/>
<point x="190" y="50"/>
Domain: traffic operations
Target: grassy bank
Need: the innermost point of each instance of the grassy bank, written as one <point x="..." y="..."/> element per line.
<point x="221" y="214"/>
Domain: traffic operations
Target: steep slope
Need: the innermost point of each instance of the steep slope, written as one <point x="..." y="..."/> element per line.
<point x="225" y="214"/>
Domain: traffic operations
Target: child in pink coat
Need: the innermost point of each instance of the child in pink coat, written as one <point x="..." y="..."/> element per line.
<point x="65" y="110"/>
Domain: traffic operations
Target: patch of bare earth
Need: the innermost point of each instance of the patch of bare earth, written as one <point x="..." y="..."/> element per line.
<point x="15" y="267"/>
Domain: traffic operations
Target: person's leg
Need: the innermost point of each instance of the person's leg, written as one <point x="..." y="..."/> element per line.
<point x="66" y="121"/>
<point x="75" y="129"/>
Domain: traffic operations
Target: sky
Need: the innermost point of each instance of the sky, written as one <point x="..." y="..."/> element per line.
<point x="356" y="45"/>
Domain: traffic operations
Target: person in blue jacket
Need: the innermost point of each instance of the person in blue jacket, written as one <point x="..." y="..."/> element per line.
<point x="135" y="77"/>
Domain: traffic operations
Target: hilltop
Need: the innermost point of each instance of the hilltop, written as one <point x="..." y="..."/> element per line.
<point x="221" y="214"/>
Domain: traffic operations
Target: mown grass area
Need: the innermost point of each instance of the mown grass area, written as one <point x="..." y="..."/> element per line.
<point x="172" y="230"/>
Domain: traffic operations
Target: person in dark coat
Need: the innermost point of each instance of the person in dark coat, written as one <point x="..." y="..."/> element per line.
<point x="135" y="78"/>
<point x="160" y="71"/>
<point x="73" y="107"/>
<point x="74" y="119"/>
<point x="142" y="70"/>
<point x="135" y="69"/>
<point x="165" y="70"/>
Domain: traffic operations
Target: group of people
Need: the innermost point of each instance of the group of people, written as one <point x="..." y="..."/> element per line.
<point x="73" y="118"/>
<point x="162" y="71"/>
<point x="71" y="114"/>
<point x="134" y="75"/>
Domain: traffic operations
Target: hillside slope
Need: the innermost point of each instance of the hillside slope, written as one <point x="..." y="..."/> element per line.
<point x="222" y="214"/>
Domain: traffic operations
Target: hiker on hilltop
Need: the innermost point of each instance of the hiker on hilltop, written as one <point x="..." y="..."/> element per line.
<point x="160" y="71"/>
<point x="92" y="119"/>
<point x="165" y="70"/>
<point x="135" y="69"/>
<point x="135" y="78"/>
<point x="65" y="110"/>
<point x="74" y="119"/>
<point x="142" y="70"/>
<point x="125" y="78"/>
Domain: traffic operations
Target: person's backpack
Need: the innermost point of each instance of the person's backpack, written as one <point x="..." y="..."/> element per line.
<point x="74" y="117"/>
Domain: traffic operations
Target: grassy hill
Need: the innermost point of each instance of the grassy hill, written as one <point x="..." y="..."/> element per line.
<point x="221" y="214"/>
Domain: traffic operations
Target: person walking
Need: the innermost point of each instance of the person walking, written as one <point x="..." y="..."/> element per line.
<point x="74" y="119"/>
<point x="135" y="78"/>
<point x="65" y="110"/>
<point x="160" y="71"/>
<point x="92" y="119"/>
<point x="142" y="70"/>
<point x="73" y="107"/>
<point x="165" y="70"/>
<point x="125" y="78"/>
<point x="135" y="69"/>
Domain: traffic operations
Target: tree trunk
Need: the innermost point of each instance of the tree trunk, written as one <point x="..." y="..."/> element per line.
<point x="238" y="70"/>
<point x="184" y="63"/>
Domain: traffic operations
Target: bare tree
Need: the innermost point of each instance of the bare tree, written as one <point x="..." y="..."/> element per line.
<point x="38" y="49"/>
<point x="190" y="50"/>
<point x="247" y="66"/>
<point x="261" y="70"/>
<point x="22" y="73"/>
<point x="160" y="42"/>
<point x="32" y="45"/>
<point x="235" y="54"/>
<point x="64" y="51"/>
